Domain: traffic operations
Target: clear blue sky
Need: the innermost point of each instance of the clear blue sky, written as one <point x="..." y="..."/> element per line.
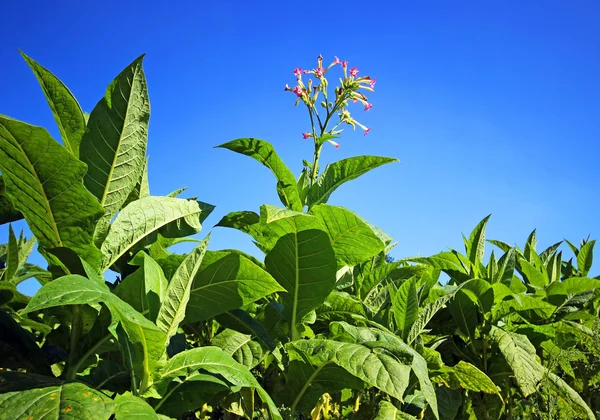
<point x="492" y="107"/>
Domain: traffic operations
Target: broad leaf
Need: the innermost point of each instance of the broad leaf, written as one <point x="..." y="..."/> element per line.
<point x="341" y="306"/>
<point x="351" y="238"/>
<point x="142" y="187"/>
<point x="173" y="306"/>
<point x="425" y="315"/>
<point x="303" y="262"/>
<point x="264" y="153"/>
<point x="43" y="181"/>
<point x="239" y="346"/>
<point x="65" y="108"/>
<point x="465" y="313"/>
<point x="114" y="145"/>
<point x="340" y="172"/>
<point x="69" y="401"/>
<point x="585" y="257"/>
<point x="130" y="407"/>
<point x="141" y="221"/>
<point x="466" y="376"/>
<point x="227" y="280"/>
<point x="186" y="365"/>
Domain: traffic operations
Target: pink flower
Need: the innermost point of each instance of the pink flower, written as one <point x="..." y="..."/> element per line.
<point x="306" y="136"/>
<point x="298" y="91"/>
<point x="368" y="106"/>
<point x="306" y="71"/>
<point x="373" y="83"/>
<point x="336" y="61"/>
<point x="355" y="101"/>
<point x="337" y="146"/>
<point x="367" y="131"/>
<point x="345" y="63"/>
<point x="297" y="71"/>
<point x="354" y="71"/>
<point x="319" y="72"/>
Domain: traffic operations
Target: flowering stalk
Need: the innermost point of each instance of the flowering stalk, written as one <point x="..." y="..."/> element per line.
<point x="348" y="90"/>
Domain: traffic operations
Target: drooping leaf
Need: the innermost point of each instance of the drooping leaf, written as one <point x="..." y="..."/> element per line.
<point x="114" y="144"/>
<point x="377" y="368"/>
<point x="264" y="153"/>
<point x="464" y="375"/>
<point x="186" y="365"/>
<point x="351" y="238"/>
<point x="227" y="280"/>
<point x="340" y="172"/>
<point x="141" y="221"/>
<point x="43" y="181"/>
<point x="174" y="304"/>
<point x="239" y="346"/>
<point x="65" y="108"/>
<point x="130" y="407"/>
<point x="303" y="262"/>
<point x="68" y="401"/>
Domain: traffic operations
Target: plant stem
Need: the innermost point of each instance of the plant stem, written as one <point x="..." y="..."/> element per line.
<point x="314" y="173"/>
<point x="76" y="324"/>
<point x="91" y="351"/>
<point x="305" y="387"/>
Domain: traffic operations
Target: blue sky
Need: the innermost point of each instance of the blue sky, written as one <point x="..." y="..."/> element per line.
<point x="492" y="107"/>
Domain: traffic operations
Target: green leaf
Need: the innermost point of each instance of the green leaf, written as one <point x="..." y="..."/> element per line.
<point x="572" y="286"/>
<point x="585" y="258"/>
<point x="146" y="287"/>
<point x="264" y="153"/>
<point x="477" y="242"/>
<point x="340" y="172"/>
<point x="520" y="355"/>
<point x="425" y="315"/>
<point x="239" y="346"/>
<point x="534" y="276"/>
<point x="114" y="145"/>
<point x="173" y="306"/>
<point x="340" y="306"/>
<point x="405" y="306"/>
<point x="388" y="342"/>
<point x="65" y="108"/>
<point x="303" y="262"/>
<point x="68" y="401"/>
<point x="464" y="311"/>
<point x="379" y="369"/>
<point x="141" y="189"/>
<point x="388" y="411"/>
<point x="43" y="181"/>
<point x="8" y="213"/>
<point x="227" y="280"/>
<point x="353" y="241"/>
<point x="141" y="221"/>
<point x="464" y="375"/>
<point x="12" y="257"/>
<point x="186" y="365"/>
<point x="130" y="407"/>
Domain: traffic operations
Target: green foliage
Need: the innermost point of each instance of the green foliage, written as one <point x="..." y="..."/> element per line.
<point x="327" y="324"/>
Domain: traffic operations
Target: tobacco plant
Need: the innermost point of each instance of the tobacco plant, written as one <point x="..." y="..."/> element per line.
<point x="326" y="325"/>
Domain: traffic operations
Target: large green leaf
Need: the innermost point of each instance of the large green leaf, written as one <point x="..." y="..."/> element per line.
<point x="141" y="221"/>
<point x="520" y="355"/>
<point x="340" y="172"/>
<point x="352" y="239"/>
<point x="146" y="287"/>
<point x="130" y="407"/>
<point x="227" y="280"/>
<point x="303" y="262"/>
<point x="476" y="243"/>
<point x="405" y="306"/>
<point x="465" y="312"/>
<point x="341" y="306"/>
<point x="377" y="368"/>
<point x="43" y="181"/>
<point x="464" y="375"/>
<point x="425" y="315"/>
<point x="585" y="257"/>
<point x="173" y="307"/>
<point x="264" y="153"/>
<point x="8" y="213"/>
<point x="142" y="187"/>
<point x="186" y="366"/>
<point x="65" y="108"/>
<point x="68" y="401"/>
<point x="377" y="339"/>
<point x="239" y="346"/>
<point x="114" y="144"/>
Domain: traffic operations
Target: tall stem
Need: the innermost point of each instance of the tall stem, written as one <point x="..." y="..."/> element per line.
<point x="76" y="324"/>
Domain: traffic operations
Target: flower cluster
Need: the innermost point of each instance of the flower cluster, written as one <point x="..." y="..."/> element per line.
<point x="349" y="89"/>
